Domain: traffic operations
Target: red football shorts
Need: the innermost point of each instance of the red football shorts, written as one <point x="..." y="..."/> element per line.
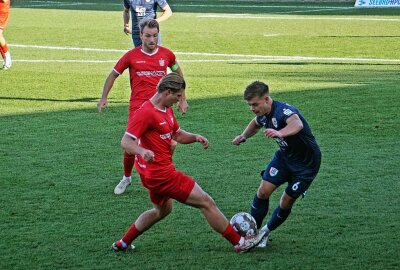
<point x="177" y="186"/>
<point x="3" y="20"/>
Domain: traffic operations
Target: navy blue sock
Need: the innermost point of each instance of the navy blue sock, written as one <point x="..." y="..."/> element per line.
<point x="278" y="217"/>
<point x="259" y="209"/>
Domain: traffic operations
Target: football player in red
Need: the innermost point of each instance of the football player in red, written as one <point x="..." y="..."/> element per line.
<point x="5" y="53"/>
<point x="147" y="64"/>
<point x="149" y="136"/>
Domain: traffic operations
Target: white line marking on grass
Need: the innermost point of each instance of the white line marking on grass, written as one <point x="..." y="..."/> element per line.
<point x="63" y="61"/>
<point x="65" y="48"/>
<point x="239" y="5"/>
<point x="271" y="35"/>
<point x="244" y="57"/>
<point x="312" y="10"/>
<point x="249" y="16"/>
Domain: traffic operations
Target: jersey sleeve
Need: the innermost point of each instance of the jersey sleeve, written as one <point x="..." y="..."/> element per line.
<point x="162" y="3"/>
<point x="285" y="112"/>
<point x="138" y="123"/>
<point x="127" y="4"/>
<point x="122" y="64"/>
<point x="171" y="60"/>
<point x="258" y="120"/>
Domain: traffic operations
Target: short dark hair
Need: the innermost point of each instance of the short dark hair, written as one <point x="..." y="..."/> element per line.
<point x="150" y="23"/>
<point x="255" y="89"/>
<point x="172" y="81"/>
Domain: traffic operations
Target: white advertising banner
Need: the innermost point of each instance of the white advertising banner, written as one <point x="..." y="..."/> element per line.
<point x="377" y="3"/>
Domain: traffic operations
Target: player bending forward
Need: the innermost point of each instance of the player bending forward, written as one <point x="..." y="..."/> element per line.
<point x="296" y="162"/>
<point x="148" y="136"/>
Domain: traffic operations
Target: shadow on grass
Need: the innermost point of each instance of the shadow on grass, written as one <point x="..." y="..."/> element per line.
<point x="58" y="171"/>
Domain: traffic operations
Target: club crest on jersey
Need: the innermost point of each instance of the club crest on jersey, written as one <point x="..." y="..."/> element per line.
<point x="273" y="171"/>
<point x="162" y="62"/>
<point x="274" y="122"/>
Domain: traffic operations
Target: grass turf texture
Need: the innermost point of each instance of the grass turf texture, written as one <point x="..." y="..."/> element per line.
<point x="60" y="159"/>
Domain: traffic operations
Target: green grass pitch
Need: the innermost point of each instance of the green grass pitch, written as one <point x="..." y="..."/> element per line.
<point x="60" y="159"/>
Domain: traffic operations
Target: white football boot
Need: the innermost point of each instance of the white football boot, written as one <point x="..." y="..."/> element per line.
<point x="122" y="185"/>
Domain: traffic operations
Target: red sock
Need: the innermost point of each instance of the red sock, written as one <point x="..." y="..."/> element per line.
<point x="129" y="160"/>
<point x="231" y="235"/>
<point x="131" y="234"/>
<point x="3" y="49"/>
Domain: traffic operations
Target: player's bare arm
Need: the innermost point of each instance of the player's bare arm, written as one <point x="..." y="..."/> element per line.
<point x="166" y="13"/>
<point x="294" y="125"/>
<point x="182" y="105"/>
<point x="131" y="146"/>
<point x="185" y="137"/>
<point x="126" y="17"/>
<point x="106" y="89"/>
<point x="251" y="129"/>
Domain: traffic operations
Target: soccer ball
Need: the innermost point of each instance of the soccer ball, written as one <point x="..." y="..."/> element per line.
<point x="244" y="224"/>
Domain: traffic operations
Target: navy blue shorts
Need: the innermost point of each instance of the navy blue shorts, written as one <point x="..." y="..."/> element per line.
<point x="299" y="179"/>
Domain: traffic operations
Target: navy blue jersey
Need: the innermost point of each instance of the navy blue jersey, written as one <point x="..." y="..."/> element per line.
<point x="300" y="149"/>
<point x="141" y="9"/>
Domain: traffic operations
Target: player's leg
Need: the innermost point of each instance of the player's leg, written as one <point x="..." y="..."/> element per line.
<point x="274" y="175"/>
<point x="217" y="220"/>
<point x="5" y="53"/>
<point x="144" y="222"/>
<point x="128" y="163"/>
<point x="260" y="204"/>
<point x="296" y="188"/>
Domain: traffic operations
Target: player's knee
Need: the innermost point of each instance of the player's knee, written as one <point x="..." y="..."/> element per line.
<point x="286" y="201"/>
<point x="163" y="212"/>
<point x="263" y="194"/>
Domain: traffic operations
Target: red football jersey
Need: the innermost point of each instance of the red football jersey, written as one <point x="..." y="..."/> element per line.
<point x="154" y="129"/>
<point x="145" y="71"/>
<point x="4" y="7"/>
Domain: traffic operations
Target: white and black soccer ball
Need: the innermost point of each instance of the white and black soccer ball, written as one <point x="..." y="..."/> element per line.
<point x="244" y="224"/>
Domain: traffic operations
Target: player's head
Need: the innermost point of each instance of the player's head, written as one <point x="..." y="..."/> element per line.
<point x="149" y="23"/>
<point x="171" y="86"/>
<point x="256" y="89"/>
<point x="173" y="82"/>
<point x="149" y="29"/>
<point x="257" y="96"/>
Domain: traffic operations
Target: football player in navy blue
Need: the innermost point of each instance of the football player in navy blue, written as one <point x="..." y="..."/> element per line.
<point x="296" y="162"/>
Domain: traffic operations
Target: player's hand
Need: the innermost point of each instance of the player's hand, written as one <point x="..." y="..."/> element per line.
<point x="182" y="106"/>
<point x="148" y="155"/>
<point x="202" y="140"/>
<point x="272" y="133"/>
<point x="239" y="139"/>
<point x="103" y="103"/>
<point x="127" y="30"/>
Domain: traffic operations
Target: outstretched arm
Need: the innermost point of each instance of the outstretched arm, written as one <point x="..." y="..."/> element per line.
<point x="251" y="129"/>
<point x="106" y="89"/>
<point x="131" y="147"/>
<point x="293" y="126"/>
<point x="185" y="137"/>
